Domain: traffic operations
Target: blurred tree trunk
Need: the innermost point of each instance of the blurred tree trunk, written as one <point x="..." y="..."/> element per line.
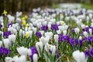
<point x="1" y="6"/>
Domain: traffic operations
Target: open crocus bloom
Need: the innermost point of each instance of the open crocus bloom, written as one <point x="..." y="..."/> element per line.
<point x="79" y="56"/>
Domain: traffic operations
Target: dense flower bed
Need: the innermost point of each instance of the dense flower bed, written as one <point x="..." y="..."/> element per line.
<point x="48" y="35"/>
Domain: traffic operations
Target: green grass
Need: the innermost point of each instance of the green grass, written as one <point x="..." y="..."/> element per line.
<point x="87" y="6"/>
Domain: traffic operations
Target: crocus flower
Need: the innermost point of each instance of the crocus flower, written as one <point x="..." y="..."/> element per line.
<point x="54" y="27"/>
<point x="79" y="56"/>
<point x="7" y="43"/>
<point x="12" y="38"/>
<point x="53" y="49"/>
<point x="34" y="51"/>
<point x="8" y="59"/>
<point x="77" y="30"/>
<point x="22" y="58"/>
<point x="39" y="46"/>
<point x="38" y="34"/>
<point x="22" y="50"/>
<point x="35" y="58"/>
<point x="4" y="51"/>
<point x="6" y="34"/>
<point x="45" y="28"/>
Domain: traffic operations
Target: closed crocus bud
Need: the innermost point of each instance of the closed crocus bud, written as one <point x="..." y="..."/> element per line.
<point x="12" y="38"/>
<point x="39" y="46"/>
<point x="85" y="34"/>
<point x="6" y="42"/>
<point x="56" y="38"/>
<point x="0" y="43"/>
<point x="8" y="59"/>
<point x="20" y="32"/>
<point x="79" y="56"/>
<point x="53" y="49"/>
<point x="80" y="37"/>
<point x="77" y="30"/>
<point x="22" y="50"/>
<point x="29" y="52"/>
<point x="35" y="58"/>
<point x="64" y="32"/>
<point x="43" y="40"/>
<point x="90" y="31"/>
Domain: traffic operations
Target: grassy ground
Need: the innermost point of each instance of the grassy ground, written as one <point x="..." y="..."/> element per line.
<point x="87" y="6"/>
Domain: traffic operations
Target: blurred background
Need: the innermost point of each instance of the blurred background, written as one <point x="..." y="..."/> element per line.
<point x="27" y="5"/>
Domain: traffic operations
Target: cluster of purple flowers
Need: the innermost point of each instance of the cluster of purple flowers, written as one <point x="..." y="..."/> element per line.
<point x="89" y="52"/>
<point x="4" y="51"/>
<point x="67" y="38"/>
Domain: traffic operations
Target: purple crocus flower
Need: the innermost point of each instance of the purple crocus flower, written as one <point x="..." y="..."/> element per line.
<point x="60" y="37"/>
<point x="86" y="52"/>
<point x="38" y="34"/>
<point x="91" y="52"/>
<point x="6" y="34"/>
<point x="44" y="27"/>
<point x="54" y="27"/>
<point x="66" y="38"/>
<point x="4" y="51"/>
<point x="34" y="51"/>
<point x="73" y="41"/>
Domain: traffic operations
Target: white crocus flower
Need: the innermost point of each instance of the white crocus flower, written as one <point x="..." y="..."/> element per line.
<point x="80" y="37"/>
<point x="53" y="49"/>
<point x="64" y="32"/>
<point x="29" y="52"/>
<point x="34" y="29"/>
<point x="58" y="32"/>
<point x="8" y="59"/>
<point x="56" y="38"/>
<point x="10" y="18"/>
<point x="79" y="56"/>
<point x="77" y="30"/>
<point x="18" y="20"/>
<point x="85" y="34"/>
<point x="0" y="43"/>
<point x="12" y="38"/>
<point x="39" y="46"/>
<point x="6" y="42"/>
<point x="18" y="14"/>
<point x="90" y="31"/>
<point x="44" y="40"/>
<point x="22" y="50"/>
<point x="22" y="58"/>
<point x="35" y="58"/>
